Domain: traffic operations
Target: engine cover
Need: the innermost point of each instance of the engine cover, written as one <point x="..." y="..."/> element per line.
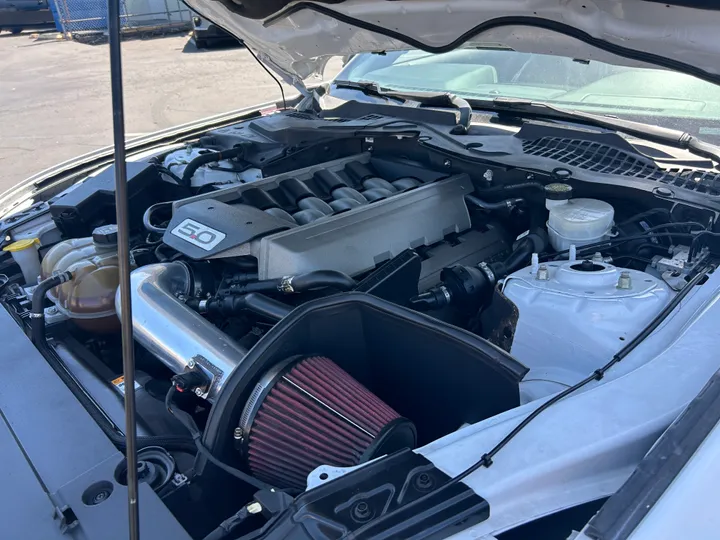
<point x="574" y="316"/>
<point x="339" y="215"/>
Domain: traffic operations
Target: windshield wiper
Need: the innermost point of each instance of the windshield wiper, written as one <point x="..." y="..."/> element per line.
<point x="649" y="132"/>
<point x="426" y="99"/>
<point x="369" y="88"/>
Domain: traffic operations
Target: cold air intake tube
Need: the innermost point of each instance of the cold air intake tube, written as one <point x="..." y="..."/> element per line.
<point x="179" y="337"/>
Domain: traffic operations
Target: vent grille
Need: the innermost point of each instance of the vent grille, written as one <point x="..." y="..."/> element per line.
<point x="305" y="116"/>
<point x="605" y="159"/>
<point x="371" y="117"/>
<point x="301" y="116"/>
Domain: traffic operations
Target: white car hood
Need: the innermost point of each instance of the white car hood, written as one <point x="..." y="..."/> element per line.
<point x="297" y="38"/>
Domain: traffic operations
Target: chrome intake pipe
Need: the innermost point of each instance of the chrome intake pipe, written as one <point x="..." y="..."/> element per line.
<point x="179" y="337"/>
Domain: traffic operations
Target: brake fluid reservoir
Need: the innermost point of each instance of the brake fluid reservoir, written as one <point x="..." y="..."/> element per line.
<point x="576" y="221"/>
<point x="89" y="298"/>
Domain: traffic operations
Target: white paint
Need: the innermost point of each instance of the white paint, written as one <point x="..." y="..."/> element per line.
<point x="299" y="45"/>
<point x="573" y="322"/>
<point x="585" y="446"/>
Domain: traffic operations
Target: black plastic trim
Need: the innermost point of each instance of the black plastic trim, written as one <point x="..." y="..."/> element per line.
<point x="239" y="223"/>
<point x="332" y="510"/>
<point x="225" y="415"/>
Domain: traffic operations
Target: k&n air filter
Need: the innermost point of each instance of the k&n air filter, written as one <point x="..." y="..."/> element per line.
<point x="308" y="412"/>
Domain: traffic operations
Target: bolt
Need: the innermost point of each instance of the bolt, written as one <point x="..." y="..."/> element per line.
<point x="179" y="479"/>
<point x="238" y="433"/>
<point x="488" y="176"/>
<point x="625" y="281"/>
<point x="424" y="482"/>
<point x="100" y="496"/>
<point x="543" y="273"/>
<point x="52" y="310"/>
<point x="191" y="363"/>
<point x="362" y="511"/>
<point x="597" y="257"/>
<point x="530" y="176"/>
<point x="447" y="163"/>
<point x="199" y="392"/>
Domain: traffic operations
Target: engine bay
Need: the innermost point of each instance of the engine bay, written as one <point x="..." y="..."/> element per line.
<point x="312" y="294"/>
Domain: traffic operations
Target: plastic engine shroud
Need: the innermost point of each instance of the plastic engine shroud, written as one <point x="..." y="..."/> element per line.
<point x="305" y="230"/>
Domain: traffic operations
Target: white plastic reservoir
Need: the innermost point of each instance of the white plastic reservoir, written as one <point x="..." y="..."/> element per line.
<point x="579" y="222"/>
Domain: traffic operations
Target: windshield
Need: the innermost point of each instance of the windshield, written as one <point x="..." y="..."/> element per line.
<point x="653" y="96"/>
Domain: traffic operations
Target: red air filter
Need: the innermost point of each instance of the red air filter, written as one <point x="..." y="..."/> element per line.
<point x="308" y="412"/>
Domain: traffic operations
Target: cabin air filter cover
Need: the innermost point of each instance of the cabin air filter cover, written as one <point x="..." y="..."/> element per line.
<point x="307" y="412"/>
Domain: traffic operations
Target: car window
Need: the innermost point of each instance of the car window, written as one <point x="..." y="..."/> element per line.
<point x="657" y="96"/>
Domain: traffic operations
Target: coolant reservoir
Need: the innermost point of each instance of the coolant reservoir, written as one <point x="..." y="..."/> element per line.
<point x="576" y="221"/>
<point x="89" y="298"/>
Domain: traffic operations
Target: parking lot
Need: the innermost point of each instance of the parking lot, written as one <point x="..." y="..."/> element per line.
<point x="55" y="94"/>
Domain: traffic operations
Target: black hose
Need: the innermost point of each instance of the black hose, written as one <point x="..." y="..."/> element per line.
<point x="242" y="277"/>
<point x="168" y="172"/>
<point x="266" y="285"/>
<point x="534" y="242"/>
<point x="647" y="213"/>
<point x="520" y="256"/>
<point x="318" y="279"/>
<point x="255" y="302"/>
<point x="494" y="206"/>
<point x="620" y="240"/>
<point x="513" y="187"/>
<point x="210" y="157"/>
<point x="37" y="312"/>
<point x="226" y="527"/>
<point x="147" y="218"/>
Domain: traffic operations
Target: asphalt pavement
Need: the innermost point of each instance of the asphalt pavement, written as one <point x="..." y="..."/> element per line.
<point x="55" y="94"/>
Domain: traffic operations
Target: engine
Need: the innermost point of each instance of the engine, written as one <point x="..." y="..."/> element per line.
<point x="321" y="310"/>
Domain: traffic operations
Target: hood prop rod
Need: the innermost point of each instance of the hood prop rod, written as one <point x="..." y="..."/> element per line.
<point x="121" y="210"/>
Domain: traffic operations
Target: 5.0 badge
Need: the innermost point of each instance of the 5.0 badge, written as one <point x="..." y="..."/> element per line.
<point x="198" y="234"/>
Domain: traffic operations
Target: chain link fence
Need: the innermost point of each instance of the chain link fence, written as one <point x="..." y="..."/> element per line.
<point x="89" y="17"/>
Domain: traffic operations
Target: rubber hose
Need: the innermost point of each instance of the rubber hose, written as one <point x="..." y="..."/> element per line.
<point x="320" y="279"/>
<point x="520" y="256"/>
<point x="255" y="302"/>
<point x="535" y="242"/>
<point x="317" y="279"/>
<point x="494" y="206"/>
<point x="513" y="187"/>
<point x="210" y="157"/>
<point x="147" y="218"/>
<point x="538" y="212"/>
<point x="267" y="285"/>
<point x="37" y="311"/>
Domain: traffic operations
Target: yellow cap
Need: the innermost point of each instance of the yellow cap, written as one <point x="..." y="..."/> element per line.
<point x="22" y="244"/>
